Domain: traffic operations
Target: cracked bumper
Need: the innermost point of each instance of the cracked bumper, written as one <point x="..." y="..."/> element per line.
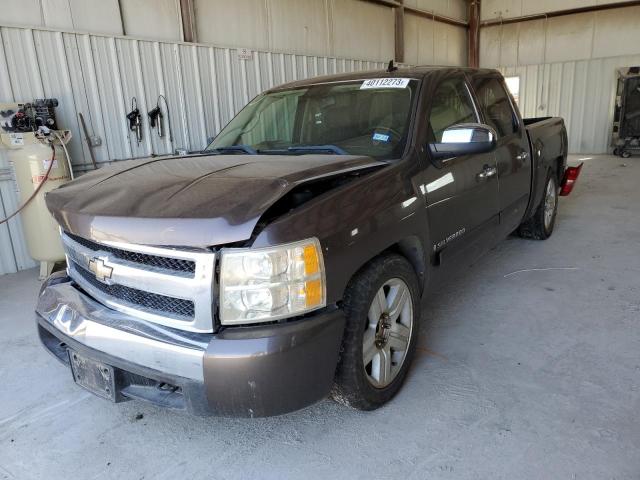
<point x="241" y="371"/>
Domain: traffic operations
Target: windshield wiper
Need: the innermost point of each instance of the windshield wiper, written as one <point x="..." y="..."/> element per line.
<point x="317" y="148"/>
<point x="235" y="148"/>
<point x="304" y="148"/>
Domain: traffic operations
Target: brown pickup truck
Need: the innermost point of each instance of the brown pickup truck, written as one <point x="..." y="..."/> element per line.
<point x="290" y="258"/>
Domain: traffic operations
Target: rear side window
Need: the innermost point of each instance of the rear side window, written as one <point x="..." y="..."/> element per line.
<point x="451" y="105"/>
<point x="495" y="102"/>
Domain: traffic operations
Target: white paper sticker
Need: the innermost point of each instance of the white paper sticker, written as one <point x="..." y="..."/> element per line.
<point x="385" y="83"/>
<point x="46" y="163"/>
<point x="245" y="54"/>
<point x="17" y="139"/>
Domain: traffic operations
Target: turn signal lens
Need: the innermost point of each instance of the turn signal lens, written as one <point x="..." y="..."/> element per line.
<point x="311" y="264"/>
<point x="313" y="293"/>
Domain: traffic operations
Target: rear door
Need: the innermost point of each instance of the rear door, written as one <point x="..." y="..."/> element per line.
<point x="512" y="153"/>
<point x="462" y="201"/>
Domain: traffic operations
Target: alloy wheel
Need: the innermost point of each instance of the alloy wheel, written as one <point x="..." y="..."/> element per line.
<point x="550" y="202"/>
<point x="388" y="332"/>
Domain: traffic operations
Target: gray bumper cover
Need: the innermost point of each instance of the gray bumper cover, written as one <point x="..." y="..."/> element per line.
<point x="241" y="371"/>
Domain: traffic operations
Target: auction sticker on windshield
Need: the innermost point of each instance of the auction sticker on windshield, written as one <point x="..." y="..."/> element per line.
<point x="385" y="83"/>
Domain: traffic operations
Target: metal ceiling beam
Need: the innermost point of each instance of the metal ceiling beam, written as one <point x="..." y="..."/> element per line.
<point x="421" y="13"/>
<point x="188" y="14"/>
<point x="473" y="36"/>
<point x="558" y="13"/>
<point x="399" y="32"/>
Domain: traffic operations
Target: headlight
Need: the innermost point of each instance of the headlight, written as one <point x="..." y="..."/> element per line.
<point x="264" y="284"/>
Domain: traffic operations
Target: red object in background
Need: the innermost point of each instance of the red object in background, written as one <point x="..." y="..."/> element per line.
<point x="570" y="177"/>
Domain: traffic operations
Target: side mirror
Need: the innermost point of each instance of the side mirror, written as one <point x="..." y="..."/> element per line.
<point x="463" y="139"/>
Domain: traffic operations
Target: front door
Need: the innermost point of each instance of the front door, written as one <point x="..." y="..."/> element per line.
<point x="512" y="152"/>
<point x="461" y="192"/>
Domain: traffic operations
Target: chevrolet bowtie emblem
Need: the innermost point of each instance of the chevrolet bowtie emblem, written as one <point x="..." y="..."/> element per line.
<point x="100" y="270"/>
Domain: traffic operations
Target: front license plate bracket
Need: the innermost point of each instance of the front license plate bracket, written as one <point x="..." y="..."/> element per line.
<point x="96" y="377"/>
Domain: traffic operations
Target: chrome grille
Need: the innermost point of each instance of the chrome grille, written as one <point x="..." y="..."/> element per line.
<point x="164" y="285"/>
<point x="165" y="263"/>
<point x="159" y="303"/>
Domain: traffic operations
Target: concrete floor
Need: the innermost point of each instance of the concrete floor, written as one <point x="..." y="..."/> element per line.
<point x="521" y="374"/>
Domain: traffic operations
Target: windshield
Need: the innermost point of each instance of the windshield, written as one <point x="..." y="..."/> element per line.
<point x="354" y="118"/>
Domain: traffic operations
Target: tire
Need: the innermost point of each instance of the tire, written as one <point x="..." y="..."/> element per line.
<point x="625" y="154"/>
<point x="616" y="151"/>
<point x="385" y="334"/>
<point x="540" y="225"/>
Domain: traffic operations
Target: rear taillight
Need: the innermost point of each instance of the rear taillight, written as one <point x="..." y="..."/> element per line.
<point x="570" y="177"/>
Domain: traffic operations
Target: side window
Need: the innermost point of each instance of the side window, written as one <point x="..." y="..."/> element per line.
<point x="451" y="105"/>
<point x="495" y="102"/>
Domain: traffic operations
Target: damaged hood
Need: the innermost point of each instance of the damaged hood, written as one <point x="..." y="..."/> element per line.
<point x="193" y="201"/>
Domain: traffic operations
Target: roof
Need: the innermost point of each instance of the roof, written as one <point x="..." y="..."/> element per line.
<point x="417" y="72"/>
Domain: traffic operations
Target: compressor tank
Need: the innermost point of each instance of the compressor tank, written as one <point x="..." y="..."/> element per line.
<point x="30" y="156"/>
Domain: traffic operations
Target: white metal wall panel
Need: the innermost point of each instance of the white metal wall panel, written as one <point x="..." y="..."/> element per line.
<point x="433" y="43"/>
<point x="97" y="76"/>
<point x="241" y="23"/>
<point x="567" y="65"/>
<point x="21" y="12"/>
<point x="13" y="250"/>
<point x="300" y="26"/>
<point x="582" y="92"/>
<point x="342" y="28"/>
<point x="154" y="19"/>
<point x="55" y="14"/>
<point x="582" y="36"/>
<point x="450" y="8"/>
<point x="492" y="9"/>
<point x="100" y="16"/>
<point x="362" y="29"/>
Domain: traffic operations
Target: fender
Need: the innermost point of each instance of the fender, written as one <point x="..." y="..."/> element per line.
<point x="358" y="221"/>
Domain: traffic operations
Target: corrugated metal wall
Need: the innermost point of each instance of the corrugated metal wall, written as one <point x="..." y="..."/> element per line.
<point x="567" y="65"/>
<point x="97" y="76"/>
<point x="13" y="250"/>
<point x="582" y="92"/>
<point x="338" y="28"/>
<point x="516" y="8"/>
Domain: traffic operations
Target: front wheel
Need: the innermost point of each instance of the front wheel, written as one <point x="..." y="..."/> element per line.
<point x="382" y="308"/>
<point x="540" y="225"/>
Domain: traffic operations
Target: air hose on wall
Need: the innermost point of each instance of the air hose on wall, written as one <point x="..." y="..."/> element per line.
<point x="38" y="188"/>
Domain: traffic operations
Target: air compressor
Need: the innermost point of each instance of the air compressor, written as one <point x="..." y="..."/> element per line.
<point x="38" y="154"/>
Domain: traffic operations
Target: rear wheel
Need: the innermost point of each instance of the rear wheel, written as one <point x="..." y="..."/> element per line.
<point x="540" y="225"/>
<point x="382" y="309"/>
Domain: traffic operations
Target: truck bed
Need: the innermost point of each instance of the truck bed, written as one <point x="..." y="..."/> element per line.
<point x="548" y="144"/>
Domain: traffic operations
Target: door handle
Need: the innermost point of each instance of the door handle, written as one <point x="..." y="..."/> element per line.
<point x="522" y="156"/>
<point x="488" y="172"/>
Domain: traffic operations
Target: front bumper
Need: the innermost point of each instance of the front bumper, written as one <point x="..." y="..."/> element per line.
<point x="241" y="371"/>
